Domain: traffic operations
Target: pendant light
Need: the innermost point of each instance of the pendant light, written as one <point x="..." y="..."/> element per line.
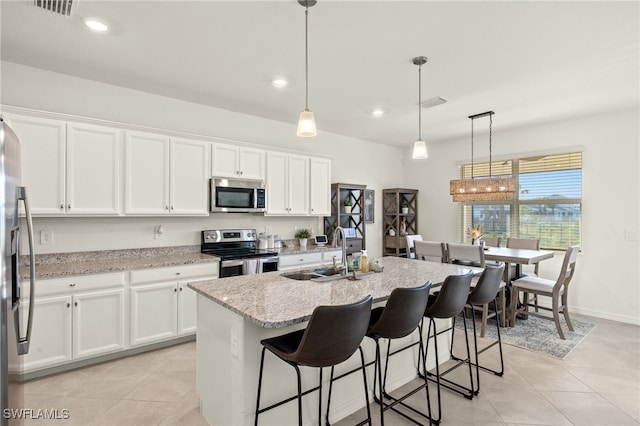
<point x="306" y="122"/>
<point x="420" y="147"/>
<point x="484" y="188"/>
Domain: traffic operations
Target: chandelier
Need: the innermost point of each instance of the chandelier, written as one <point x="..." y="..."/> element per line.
<point x="491" y="188"/>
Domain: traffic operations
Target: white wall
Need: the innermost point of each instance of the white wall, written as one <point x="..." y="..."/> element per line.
<point x="606" y="283"/>
<point x="353" y="160"/>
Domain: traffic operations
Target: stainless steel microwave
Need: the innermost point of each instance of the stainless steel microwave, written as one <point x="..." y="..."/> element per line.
<point x="237" y="195"/>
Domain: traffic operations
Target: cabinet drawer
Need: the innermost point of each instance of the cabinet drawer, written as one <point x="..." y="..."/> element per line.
<point x="354" y="245"/>
<point x="299" y="260"/>
<point x="45" y="287"/>
<point x="175" y="273"/>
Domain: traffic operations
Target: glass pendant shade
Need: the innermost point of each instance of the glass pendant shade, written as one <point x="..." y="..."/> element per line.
<point x="420" y="150"/>
<point x="306" y="125"/>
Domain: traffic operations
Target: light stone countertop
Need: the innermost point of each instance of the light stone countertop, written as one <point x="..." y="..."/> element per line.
<point x="97" y="262"/>
<point x="273" y="301"/>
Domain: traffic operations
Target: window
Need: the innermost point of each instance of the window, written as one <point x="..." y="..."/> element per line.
<point x="547" y="206"/>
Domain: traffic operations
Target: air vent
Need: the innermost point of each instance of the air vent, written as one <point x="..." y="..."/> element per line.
<point x="61" y="7"/>
<point x="438" y="100"/>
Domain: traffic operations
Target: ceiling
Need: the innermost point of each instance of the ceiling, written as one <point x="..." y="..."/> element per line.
<point x="529" y="62"/>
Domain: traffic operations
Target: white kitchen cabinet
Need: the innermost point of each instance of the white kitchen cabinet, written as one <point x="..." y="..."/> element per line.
<point x="161" y="305"/>
<point x="320" y="186"/>
<point x="308" y="259"/>
<point x="165" y="175"/>
<point x="237" y="162"/>
<point x="43" y="147"/>
<point x="93" y="170"/>
<point x="76" y="318"/>
<point x="287" y="184"/>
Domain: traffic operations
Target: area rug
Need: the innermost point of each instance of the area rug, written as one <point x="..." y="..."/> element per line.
<point x="539" y="335"/>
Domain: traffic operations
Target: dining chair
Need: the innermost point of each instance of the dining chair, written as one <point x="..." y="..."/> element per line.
<point x="409" y="240"/>
<point x="527" y="244"/>
<point x="557" y="290"/>
<point x="491" y="241"/>
<point x="431" y="251"/>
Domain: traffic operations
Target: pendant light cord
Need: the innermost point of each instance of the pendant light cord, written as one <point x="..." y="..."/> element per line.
<point x="472" y="148"/>
<point x="306" y="59"/>
<point x="490" y="132"/>
<point x="420" y="102"/>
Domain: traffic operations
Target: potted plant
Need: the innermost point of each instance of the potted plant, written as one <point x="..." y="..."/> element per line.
<point x="302" y="236"/>
<point x="405" y="207"/>
<point x="347" y="205"/>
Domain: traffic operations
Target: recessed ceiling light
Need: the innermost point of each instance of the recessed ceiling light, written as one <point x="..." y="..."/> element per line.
<point x="279" y="83"/>
<point x="96" y="25"/>
<point x="377" y="113"/>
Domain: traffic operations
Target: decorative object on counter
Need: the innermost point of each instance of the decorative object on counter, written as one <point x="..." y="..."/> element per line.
<point x="376" y="266"/>
<point x="420" y="147"/>
<point x="369" y="205"/>
<point x="306" y="122"/>
<point x="405" y="207"/>
<point x="302" y="236"/>
<point x="475" y="232"/>
<point x="347" y="204"/>
<point x="392" y="230"/>
<point x="483" y="188"/>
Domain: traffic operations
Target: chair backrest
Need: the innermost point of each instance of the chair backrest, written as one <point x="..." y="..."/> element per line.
<point x="466" y="254"/>
<point x="488" y="285"/>
<point x="410" y="239"/>
<point x="491" y="241"/>
<point x="568" y="267"/>
<point x="452" y="297"/>
<point x="523" y="243"/>
<point x="432" y="251"/>
<point x="333" y="333"/>
<point x="402" y="313"/>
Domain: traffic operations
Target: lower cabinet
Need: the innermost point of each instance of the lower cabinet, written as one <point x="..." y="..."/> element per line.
<point x="308" y="259"/>
<point x="75" y="319"/>
<point x="162" y="307"/>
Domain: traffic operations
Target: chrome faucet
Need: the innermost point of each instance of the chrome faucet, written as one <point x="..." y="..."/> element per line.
<point x="342" y="269"/>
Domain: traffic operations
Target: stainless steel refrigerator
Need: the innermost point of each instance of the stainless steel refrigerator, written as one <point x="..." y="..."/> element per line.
<point x="15" y="329"/>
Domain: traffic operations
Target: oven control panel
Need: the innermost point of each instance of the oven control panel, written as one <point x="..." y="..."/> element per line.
<point x="228" y="235"/>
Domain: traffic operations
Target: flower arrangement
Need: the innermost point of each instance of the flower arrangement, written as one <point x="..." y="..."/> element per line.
<point x="475" y="232"/>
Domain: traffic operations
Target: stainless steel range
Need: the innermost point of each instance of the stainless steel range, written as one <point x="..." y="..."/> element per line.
<point x="238" y="252"/>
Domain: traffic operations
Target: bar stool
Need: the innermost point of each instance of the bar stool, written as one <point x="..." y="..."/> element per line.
<point x="486" y="290"/>
<point x="333" y="334"/>
<point x="449" y="302"/>
<point x="399" y="318"/>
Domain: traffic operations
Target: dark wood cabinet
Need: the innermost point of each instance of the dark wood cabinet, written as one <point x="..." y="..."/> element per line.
<point x="352" y="218"/>
<point x="400" y="213"/>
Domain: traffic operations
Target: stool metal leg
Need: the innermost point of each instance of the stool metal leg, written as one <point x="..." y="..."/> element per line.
<point x="259" y="387"/>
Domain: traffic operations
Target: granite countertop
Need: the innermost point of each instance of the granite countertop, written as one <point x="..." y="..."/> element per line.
<point x="96" y="262"/>
<point x="273" y="301"/>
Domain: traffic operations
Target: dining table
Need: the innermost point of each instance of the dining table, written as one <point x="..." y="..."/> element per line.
<point x="518" y="257"/>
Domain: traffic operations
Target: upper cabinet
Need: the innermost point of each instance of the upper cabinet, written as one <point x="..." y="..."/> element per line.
<point x="70" y="168"/>
<point x="165" y="175"/>
<point x="320" y="186"/>
<point x="287" y="184"/>
<point x="237" y="162"/>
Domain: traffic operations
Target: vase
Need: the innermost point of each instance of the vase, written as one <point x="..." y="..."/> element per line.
<point x="405" y="210"/>
<point x="347" y="209"/>
<point x="302" y="242"/>
<point x="392" y="232"/>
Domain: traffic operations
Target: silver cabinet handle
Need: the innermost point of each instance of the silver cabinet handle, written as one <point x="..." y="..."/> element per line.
<point x="69" y="206"/>
<point x="62" y="206"/>
<point x="72" y="285"/>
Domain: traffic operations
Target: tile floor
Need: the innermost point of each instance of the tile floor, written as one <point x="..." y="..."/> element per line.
<point x="597" y="384"/>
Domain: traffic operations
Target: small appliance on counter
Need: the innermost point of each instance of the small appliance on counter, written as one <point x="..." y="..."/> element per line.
<point x="240" y="251"/>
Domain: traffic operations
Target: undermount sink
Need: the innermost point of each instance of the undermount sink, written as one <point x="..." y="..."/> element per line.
<point x="321" y="275"/>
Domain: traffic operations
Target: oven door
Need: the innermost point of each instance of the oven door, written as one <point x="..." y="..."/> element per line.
<point x="233" y="268"/>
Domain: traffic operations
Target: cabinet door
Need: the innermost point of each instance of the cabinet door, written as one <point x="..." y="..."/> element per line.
<point x="93" y="170"/>
<point x="153" y="312"/>
<point x="298" y="185"/>
<point x="320" y="186"/>
<point x="98" y="323"/>
<point x="51" y="333"/>
<point x="189" y="177"/>
<point x="42" y="144"/>
<point x="277" y="183"/>
<point x="146" y="174"/>
<point x="187" y="314"/>
<point x="252" y="163"/>
<point x="225" y="160"/>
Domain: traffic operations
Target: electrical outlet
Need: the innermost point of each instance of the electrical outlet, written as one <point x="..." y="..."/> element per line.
<point x="46" y="237"/>
<point x="159" y="232"/>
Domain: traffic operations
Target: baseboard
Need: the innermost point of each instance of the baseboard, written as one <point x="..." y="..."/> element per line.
<point x="604" y="315"/>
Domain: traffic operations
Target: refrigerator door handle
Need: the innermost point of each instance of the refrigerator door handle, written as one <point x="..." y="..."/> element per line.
<point x="23" y="342"/>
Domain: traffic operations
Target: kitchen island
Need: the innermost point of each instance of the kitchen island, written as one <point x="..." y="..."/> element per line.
<point x="235" y="313"/>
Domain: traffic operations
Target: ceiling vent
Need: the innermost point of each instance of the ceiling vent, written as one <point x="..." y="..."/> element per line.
<point x="438" y="100"/>
<point x="61" y="7"/>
